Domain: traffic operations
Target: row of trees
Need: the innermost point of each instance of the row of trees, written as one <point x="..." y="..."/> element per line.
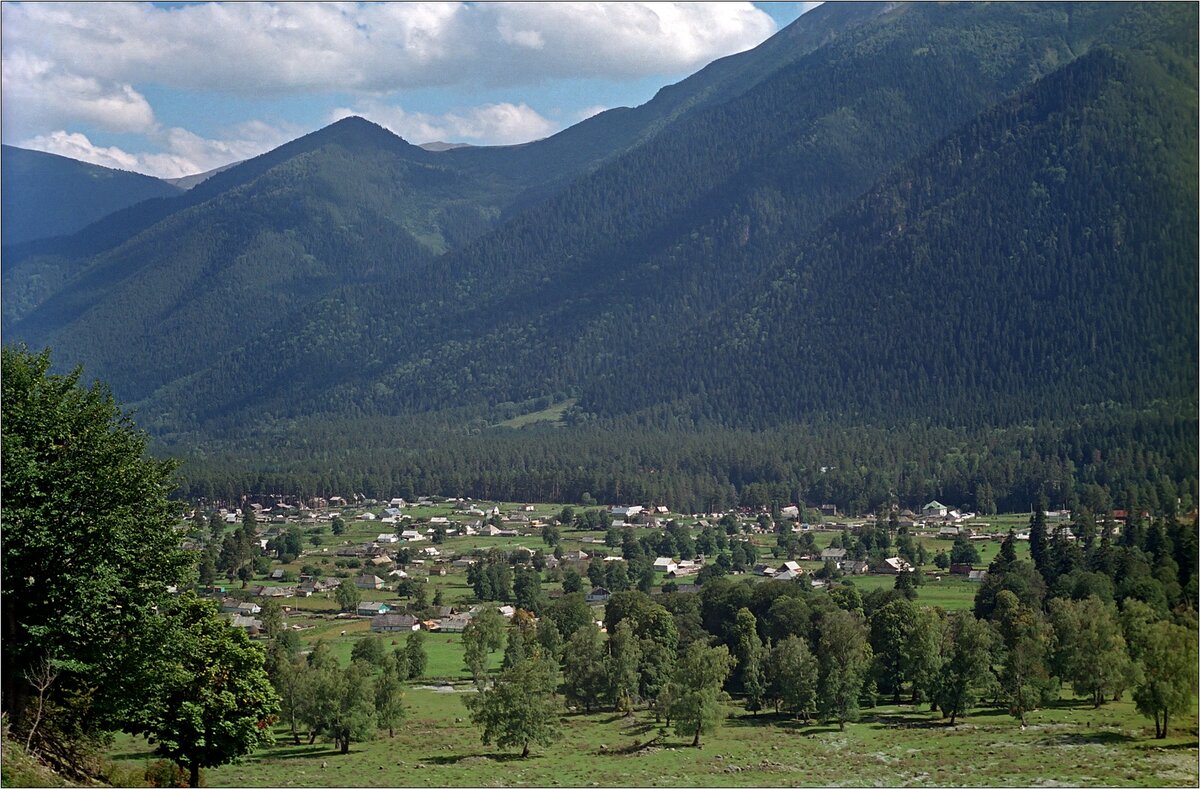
<point x="811" y="654"/>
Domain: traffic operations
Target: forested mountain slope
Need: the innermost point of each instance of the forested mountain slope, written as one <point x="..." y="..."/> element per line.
<point x="494" y="179"/>
<point x="1041" y="258"/>
<point x="45" y="195"/>
<point x="351" y="195"/>
<point x="927" y="247"/>
<point x="591" y="291"/>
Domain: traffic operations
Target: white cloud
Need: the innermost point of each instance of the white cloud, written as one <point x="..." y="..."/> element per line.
<point x="181" y="152"/>
<point x="487" y="124"/>
<point x="39" y="93"/>
<point x="78" y="146"/>
<point x="259" y="48"/>
<point x="71" y="67"/>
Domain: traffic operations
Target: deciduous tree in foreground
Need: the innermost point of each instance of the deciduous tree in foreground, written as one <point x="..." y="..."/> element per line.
<point x="520" y="708"/>
<point x="697" y="701"/>
<point x="1168" y="688"/>
<point x="212" y="700"/>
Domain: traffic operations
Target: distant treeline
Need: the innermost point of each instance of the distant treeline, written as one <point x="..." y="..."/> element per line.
<point x="1110" y="460"/>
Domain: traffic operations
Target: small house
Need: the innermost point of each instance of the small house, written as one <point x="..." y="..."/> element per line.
<point x="369" y="582"/>
<point x="392" y="623"/>
<point x="935" y="508"/>
<point x="455" y="623"/>
<point x="598" y="595"/>
<point x="248" y="623"/>
<point x="894" y="566"/>
<point x="853" y="567"/>
<point x="372" y="608"/>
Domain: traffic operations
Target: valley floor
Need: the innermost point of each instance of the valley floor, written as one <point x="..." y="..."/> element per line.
<point x="1070" y="744"/>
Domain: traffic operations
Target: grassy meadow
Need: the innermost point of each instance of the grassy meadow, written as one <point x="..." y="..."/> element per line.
<point x="1070" y="744"/>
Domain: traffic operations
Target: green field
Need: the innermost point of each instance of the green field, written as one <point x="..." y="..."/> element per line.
<point x="552" y="414"/>
<point x="1070" y="744"/>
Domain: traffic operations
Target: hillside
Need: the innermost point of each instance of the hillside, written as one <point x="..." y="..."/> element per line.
<point x="967" y="217"/>
<point x="177" y="256"/>
<point x="640" y="252"/>
<point x="1039" y="260"/>
<point x="44" y="195"/>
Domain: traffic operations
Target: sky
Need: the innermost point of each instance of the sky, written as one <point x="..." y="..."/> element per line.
<point x="173" y="89"/>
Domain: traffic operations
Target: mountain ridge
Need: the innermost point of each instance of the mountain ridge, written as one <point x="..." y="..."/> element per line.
<point x="660" y="282"/>
<point x="45" y="195"/>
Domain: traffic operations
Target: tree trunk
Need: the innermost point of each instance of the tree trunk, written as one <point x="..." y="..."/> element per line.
<point x="312" y="736"/>
<point x="525" y="750"/>
<point x="1163" y="736"/>
<point x="841" y="725"/>
<point x="345" y="745"/>
<point x="194" y="774"/>
<point x="953" y="715"/>
<point x="696" y="739"/>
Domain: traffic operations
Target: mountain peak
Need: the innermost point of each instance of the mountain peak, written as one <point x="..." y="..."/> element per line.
<point x="356" y="127"/>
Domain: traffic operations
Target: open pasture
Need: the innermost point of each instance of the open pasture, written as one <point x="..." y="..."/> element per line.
<point x="1068" y="744"/>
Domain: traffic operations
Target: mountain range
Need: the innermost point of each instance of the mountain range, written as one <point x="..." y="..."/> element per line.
<point x="975" y="216"/>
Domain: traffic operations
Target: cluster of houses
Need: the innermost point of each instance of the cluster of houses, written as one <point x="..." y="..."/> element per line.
<point x="791" y="570"/>
<point x="444" y="619"/>
<point x="380" y="569"/>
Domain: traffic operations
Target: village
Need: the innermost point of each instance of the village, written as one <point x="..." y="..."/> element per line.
<point x="409" y="561"/>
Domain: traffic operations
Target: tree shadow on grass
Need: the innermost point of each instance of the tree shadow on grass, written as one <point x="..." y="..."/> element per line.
<point x="640" y="727"/>
<point x="304" y="752"/>
<point x="914" y="720"/>
<point x="617" y="716"/>
<point x="764" y="719"/>
<point x="489" y="756"/>
<point x="1152" y="745"/>
<point x="779" y="722"/>
<point x="985" y="712"/>
<point x="1071" y="704"/>
<point x="1089" y="738"/>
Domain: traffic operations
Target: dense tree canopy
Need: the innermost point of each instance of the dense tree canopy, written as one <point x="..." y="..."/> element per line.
<point x="88" y="552"/>
<point x="212" y="699"/>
